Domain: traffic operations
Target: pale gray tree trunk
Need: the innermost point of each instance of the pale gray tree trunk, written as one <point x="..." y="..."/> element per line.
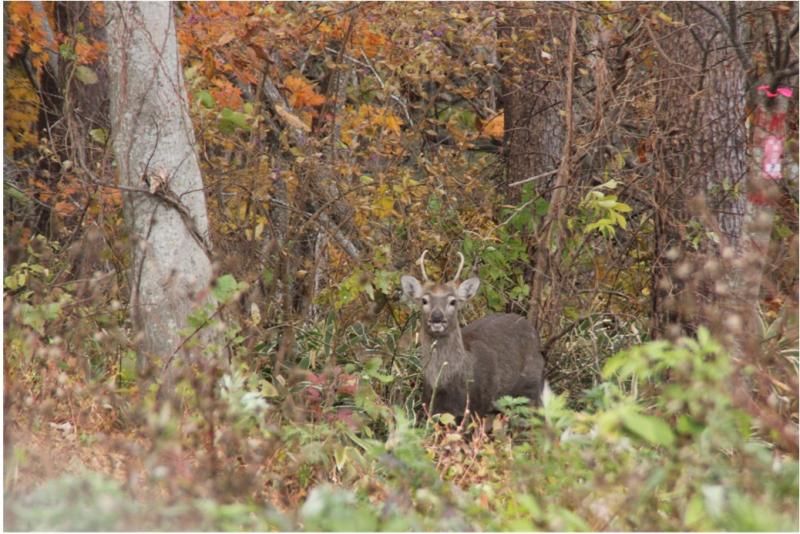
<point x="763" y="192"/>
<point x="164" y="200"/>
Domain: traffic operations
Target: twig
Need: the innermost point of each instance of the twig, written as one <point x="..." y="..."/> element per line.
<point x="532" y="178"/>
<point x="730" y="28"/>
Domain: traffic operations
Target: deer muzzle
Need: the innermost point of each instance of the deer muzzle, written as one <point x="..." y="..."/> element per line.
<point x="437" y="323"/>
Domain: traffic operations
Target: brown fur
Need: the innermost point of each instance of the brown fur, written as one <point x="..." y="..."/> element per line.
<point x="494" y="356"/>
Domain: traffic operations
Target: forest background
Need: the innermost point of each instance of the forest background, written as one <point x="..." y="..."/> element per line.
<point x="623" y="174"/>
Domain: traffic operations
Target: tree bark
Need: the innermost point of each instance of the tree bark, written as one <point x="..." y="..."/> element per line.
<point x="533" y="138"/>
<point x="551" y="227"/>
<point x="164" y="200"/>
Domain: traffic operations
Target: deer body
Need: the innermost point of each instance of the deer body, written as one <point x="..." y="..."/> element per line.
<point x="494" y="356"/>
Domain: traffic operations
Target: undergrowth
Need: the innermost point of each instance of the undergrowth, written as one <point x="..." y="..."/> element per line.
<point x="651" y="439"/>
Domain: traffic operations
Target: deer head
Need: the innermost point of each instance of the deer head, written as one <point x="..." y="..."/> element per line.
<point x="439" y="302"/>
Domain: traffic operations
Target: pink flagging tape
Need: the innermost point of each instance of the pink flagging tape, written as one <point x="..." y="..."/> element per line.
<point x="783" y="91"/>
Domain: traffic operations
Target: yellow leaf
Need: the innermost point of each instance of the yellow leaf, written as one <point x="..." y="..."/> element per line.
<point x="663" y="16"/>
<point x="393" y="123"/>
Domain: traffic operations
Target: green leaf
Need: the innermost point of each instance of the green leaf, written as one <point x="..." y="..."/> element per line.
<point x="333" y="509"/>
<point x="434" y="205"/>
<point x="267" y="276"/>
<point x="67" y="52"/>
<point x="651" y="429"/>
<point x="226" y="287"/>
<point x="624" y="208"/>
<point x="372" y="370"/>
<point x="688" y="426"/>
<point x="206" y="99"/>
<point x="230" y="119"/>
<point x="267" y="389"/>
<point x="703" y="336"/>
<point x="10" y="282"/>
<point x="99" y="135"/>
<point x="16" y="194"/>
<point x="340" y="455"/>
<point x="695" y="511"/>
<point x="540" y="207"/>
<point x="128" y="370"/>
<point x="86" y="75"/>
<point x="447" y="418"/>
<point x="614" y="363"/>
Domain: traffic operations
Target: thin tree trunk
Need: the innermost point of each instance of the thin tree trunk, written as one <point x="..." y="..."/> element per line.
<point x="768" y="138"/>
<point x="164" y="201"/>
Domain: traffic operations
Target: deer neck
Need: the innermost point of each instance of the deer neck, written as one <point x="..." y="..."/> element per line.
<point x="444" y="358"/>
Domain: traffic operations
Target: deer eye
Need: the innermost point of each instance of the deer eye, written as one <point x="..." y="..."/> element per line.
<point x="452" y="302"/>
<point x="424" y="301"/>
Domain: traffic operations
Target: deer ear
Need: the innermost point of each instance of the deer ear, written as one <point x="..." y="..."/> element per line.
<point x="468" y="288"/>
<point x="411" y="287"/>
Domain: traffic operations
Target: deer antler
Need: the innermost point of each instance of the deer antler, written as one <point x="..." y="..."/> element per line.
<point x="460" y="266"/>
<point x="421" y="262"/>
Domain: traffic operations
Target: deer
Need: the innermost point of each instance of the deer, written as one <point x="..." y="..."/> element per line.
<point x="469" y="369"/>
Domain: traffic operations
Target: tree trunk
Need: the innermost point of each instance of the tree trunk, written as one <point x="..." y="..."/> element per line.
<point x="164" y="200"/>
<point x="534" y="134"/>
<point x="768" y="136"/>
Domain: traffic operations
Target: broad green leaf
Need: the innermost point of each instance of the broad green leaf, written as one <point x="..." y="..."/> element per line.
<point x="695" y="511"/>
<point x="614" y="363"/>
<point x="226" y="287"/>
<point x="206" y="99"/>
<point x="652" y="429"/>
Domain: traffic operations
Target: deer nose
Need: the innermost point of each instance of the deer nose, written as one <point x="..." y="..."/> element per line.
<point x="437" y="316"/>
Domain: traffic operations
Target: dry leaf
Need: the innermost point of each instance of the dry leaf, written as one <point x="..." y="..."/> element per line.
<point x="292" y="119"/>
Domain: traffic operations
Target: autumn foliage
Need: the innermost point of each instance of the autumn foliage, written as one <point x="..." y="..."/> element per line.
<point x="589" y="160"/>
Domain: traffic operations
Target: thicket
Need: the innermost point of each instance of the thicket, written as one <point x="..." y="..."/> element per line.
<point x="337" y="142"/>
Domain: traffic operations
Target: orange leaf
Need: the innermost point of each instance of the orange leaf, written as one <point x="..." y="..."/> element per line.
<point x="393" y="123"/>
<point x="65" y="207"/>
<point x="303" y="93"/>
<point x="494" y="127"/>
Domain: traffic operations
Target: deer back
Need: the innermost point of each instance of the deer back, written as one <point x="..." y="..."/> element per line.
<point x="507" y="359"/>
